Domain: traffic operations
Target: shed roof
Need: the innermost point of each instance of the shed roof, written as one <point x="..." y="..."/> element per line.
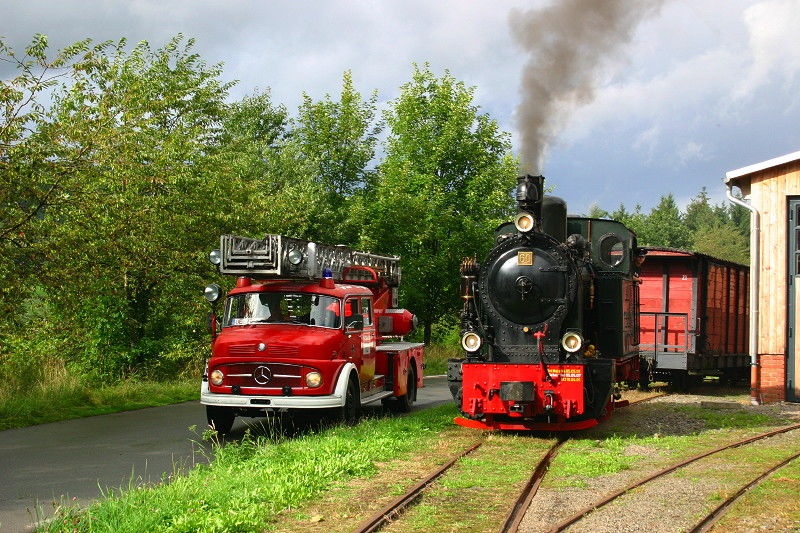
<point x="734" y="175"/>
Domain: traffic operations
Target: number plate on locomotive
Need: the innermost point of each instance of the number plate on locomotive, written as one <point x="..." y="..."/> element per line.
<point x="525" y="258"/>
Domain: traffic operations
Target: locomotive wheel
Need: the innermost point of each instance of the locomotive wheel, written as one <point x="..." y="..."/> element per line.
<point x="220" y="418"/>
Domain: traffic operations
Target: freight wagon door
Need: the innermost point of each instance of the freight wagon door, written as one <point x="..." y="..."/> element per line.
<point x="793" y="359"/>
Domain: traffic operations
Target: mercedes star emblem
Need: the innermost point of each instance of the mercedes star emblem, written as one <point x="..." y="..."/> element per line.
<point x="262" y="375"/>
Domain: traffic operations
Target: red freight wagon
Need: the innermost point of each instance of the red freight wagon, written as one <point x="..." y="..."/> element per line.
<point x="694" y="316"/>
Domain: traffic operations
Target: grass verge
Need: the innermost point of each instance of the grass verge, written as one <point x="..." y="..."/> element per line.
<point x="72" y="400"/>
<point x="249" y="484"/>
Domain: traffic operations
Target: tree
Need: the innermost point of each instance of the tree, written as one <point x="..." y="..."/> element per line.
<point x="32" y="177"/>
<point x="254" y="129"/>
<point x="714" y="232"/>
<point x="664" y="226"/>
<point x="595" y="211"/>
<point x="634" y="221"/>
<point x="700" y="213"/>
<point x="136" y="132"/>
<point x="339" y="138"/>
<point x="722" y="241"/>
<point x="443" y="186"/>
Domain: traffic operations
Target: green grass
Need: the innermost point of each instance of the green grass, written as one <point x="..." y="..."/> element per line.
<point x="70" y="399"/>
<point x="587" y="458"/>
<point x="725" y="418"/>
<point x="249" y="484"/>
<point x="436" y="356"/>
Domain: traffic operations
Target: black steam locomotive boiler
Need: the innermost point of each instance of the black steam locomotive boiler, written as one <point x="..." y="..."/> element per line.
<point x="550" y="320"/>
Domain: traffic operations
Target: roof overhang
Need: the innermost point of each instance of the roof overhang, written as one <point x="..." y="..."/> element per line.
<point x="735" y="175"/>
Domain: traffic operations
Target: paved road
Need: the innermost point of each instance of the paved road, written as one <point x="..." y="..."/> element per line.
<point x="72" y="461"/>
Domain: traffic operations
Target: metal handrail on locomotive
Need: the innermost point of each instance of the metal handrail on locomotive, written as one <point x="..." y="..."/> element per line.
<point x="308" y="327"/>
<point x="549" y="320"/>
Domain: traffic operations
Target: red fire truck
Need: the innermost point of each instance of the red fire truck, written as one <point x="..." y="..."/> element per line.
<point x="307" y="327"/>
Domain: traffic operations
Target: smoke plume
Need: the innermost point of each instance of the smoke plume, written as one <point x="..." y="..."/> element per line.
<point x="569" y="43"/>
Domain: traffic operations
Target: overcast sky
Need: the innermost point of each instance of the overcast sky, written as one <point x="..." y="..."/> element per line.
<point x="664" y="102"/>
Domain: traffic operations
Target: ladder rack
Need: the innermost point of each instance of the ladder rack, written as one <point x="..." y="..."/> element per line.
<point x="281" y="257"/>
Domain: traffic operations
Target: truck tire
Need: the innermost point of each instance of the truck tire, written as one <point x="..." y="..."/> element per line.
<point x="350" y="411"/>
<point x="403" y="404"/>
<point x="220" y="418"/>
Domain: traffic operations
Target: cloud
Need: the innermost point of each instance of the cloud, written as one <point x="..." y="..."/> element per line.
<point x="774" y="45"/>
<point x="692" y="151"/>
<point x="647" y="140"/>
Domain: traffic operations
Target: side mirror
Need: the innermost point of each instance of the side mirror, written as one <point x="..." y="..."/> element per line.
<point x="213" y="324"/>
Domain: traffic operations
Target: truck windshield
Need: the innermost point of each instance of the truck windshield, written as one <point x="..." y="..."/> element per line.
<point x="285" y="308"/>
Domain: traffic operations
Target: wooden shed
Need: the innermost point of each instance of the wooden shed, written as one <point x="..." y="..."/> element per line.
<point x="771" y="192"/>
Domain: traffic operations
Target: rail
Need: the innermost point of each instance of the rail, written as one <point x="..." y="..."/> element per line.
<point x="595" y="506"/>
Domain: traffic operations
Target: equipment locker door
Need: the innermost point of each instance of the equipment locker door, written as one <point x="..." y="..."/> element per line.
<point x="793" y="299"/>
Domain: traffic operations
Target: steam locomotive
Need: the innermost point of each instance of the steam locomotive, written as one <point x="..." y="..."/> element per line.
<point x="550" y="323"/>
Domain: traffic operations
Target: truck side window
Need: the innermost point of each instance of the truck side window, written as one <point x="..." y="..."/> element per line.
<point x="352" y="314"/>
<point x="366" y="311"/>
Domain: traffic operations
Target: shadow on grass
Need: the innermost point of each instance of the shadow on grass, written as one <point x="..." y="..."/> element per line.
<point x="280" y="426"/>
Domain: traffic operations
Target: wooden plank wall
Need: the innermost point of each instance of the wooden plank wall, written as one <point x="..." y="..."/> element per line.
<point x="770" y="189"/>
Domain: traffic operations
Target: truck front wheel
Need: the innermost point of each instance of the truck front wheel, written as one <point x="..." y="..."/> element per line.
<point x="350" y="412"/>
<point x="220" y="418"/>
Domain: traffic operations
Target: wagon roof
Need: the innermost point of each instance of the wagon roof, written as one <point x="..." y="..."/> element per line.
<point x="662" y="251"/>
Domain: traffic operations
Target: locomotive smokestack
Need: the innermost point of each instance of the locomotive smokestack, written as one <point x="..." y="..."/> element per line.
<point x="570" y="43"/>
<point x="530" y="193"/>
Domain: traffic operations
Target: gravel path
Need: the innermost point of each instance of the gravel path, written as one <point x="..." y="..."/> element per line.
<point x="673" y="504"/>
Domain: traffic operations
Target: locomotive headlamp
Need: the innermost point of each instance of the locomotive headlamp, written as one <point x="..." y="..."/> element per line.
<point x="313" y="379"/>
<point x="571" y="341"/>
<point x="524" y="222"/>
<point x="212" y="292"/>
<point x="215" y="256"/>
<point x="471" y="341"/>
<point x="216" y="377"/>
<point x="295" y="256"/>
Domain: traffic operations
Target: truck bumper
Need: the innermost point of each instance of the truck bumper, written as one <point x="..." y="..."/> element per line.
<point x="269" y="402"/>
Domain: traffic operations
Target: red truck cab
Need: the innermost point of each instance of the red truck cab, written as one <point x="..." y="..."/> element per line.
<point x="287" y="342"/>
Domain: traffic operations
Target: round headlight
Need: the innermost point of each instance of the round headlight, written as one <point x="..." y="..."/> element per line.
<point x="216" y="377"/>
<point x="313" y="379"/>
<point x="215" y="256"/>
<point x="295" y="256"/>
<point x="212" y="293"/>
<point x="571" y="342"/>
<point x="524" y="222"/>
<point x="471" y="341"/>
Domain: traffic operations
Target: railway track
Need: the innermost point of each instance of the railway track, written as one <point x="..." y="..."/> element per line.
<point x="520" y="507"/>
<point x="393" y="510"/>
<point x="707" y="522"/>
<point x="517" y="511"/>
